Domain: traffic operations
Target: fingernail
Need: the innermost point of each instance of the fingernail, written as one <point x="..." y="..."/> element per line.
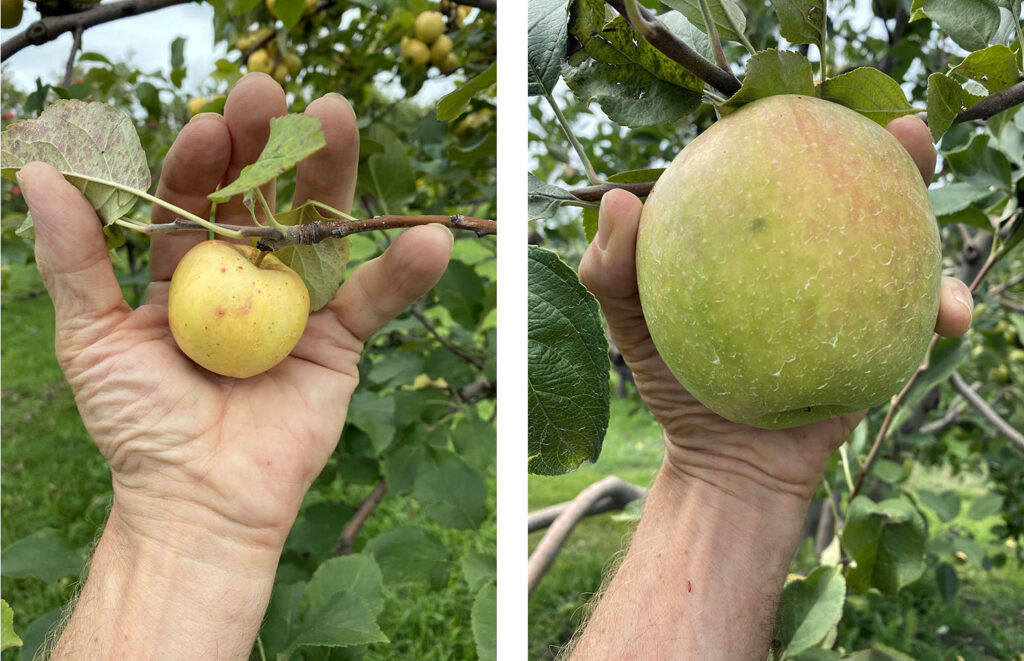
<point x="451" y="234"/>
<point x="961" y="298"/>
<point x="604" y="226"/>
<point x="203" y="114"/>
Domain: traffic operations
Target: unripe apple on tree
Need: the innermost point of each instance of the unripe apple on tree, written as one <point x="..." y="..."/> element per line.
<point x="261" y="61"/>
<point x="789" y="264"/>
<point x="440" y="49"/>
<point x="415" y="53"/>
<point x="231" y="316"/>
<point x="11" y="12"/>
<point x="195" y="104"/>
<point x="429" y="25"/>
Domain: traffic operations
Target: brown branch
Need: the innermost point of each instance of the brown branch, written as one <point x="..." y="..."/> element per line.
<point x="271" y="239"/>
<point x="348" y="536"/>
<point x="476" y="389"/>
<point x="612" y="501"/>
<point x="416" y="312"/>
<point x="993" y="104"/>
<point x="1007" y="303"/>
<point x="595" y="193"/>
<point x="545" y="552"/>
<point x="986" y="411"/>
<point x="484" y="5"/>
<point x="659" y="36"/>
<point x="51" y="27"/>
<point x="76" y="45"/>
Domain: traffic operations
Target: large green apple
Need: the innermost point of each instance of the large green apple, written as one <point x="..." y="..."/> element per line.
<point x="789" y="264"/>
<point x="231" y="316"/>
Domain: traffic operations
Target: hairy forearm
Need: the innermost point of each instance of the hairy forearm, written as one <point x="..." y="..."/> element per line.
<point x="702" y="577"/>
<point x="181" y="594"/>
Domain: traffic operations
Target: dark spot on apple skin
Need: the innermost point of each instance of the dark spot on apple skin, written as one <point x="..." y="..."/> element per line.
<point x="808" y="409"/>
<point x="757" y="225"/>
<point x="220" y="312"/>
<point x="223" y="269"/>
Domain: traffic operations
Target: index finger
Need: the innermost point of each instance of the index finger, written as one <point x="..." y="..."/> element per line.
<point x="913" y="134"/>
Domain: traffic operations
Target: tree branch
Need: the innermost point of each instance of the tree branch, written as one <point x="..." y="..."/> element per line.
<point x="612" y="501"/>
<point x="416" y="312"/>
<point x="545" y="552"/>
<point x="76" y="45"/>
<point x="986" y="411"/>
<point x="51" y="27"/>
<point x="355" y="524"/>
<point x="659" y="36"/>
<point x="993" y="104"/>
<point x="483" y="5"/>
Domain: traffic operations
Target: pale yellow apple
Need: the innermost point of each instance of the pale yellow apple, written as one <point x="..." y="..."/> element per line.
<point x="231" y="316"/>
<point x="429" y="26"/>
<point x="415" y="53"/>
<point x="440" y="49"/>
<point x="196" y="104"/>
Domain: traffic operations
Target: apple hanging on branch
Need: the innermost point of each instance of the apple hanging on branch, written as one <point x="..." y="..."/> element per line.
<point x="235" y="309"/>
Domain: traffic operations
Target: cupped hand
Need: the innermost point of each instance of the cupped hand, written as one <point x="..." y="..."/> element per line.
<point x="700" y="444"/>
<point x="184" y="444"/>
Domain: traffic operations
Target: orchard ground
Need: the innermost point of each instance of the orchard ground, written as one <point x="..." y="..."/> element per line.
<point x="983" y="622"/>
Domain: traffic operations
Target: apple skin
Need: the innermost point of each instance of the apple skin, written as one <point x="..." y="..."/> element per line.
<point x="788" y="262"/>
<point x="231" y="316"/>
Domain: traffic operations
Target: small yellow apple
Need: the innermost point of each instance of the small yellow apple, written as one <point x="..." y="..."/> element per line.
<point x="440" y="49"/>
<point x="429" y="26"/>
<point x="450" y="64"/>
<point x="415" y="53"/>
<point x="11" y="12"/>
<point x="231" y="316"/>
<point x="261" y="61"/>
<point x="196" y="104"/>
<point x="280" y="73"/>
<point x="293" y="63"/>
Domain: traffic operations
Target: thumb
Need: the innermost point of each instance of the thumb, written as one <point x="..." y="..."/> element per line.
<point x="71" y="254"/>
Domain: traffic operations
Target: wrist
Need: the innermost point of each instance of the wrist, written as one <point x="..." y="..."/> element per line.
<point x="169" y="588"/>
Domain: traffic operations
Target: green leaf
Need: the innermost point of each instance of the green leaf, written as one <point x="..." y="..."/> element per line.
<point x="637" y="176"/>
<point x="356" y="573"/>
<point x="292" y="138"/>
<point x="544" y="200"/>
<point x="283" y="619"/>
<point x="969" y="216"/>
<point x="374" y="414"/>
<point x="870" y="92"/>
<point x="386" y="173"/>
<point x="886" y="540"/>
<point x="944" y="359"/>
<point x="320" y="265"/>
<point x="462" y="291"/>
<point x="810" y="608"/>
<point x="485" y="622"/>
<point x="455" y="103"/>
<point x="546" y="40"/>
<point x="178" y="53"/>
<point x="344" y="621"/>
<point x="8" y="638"/>
<point x="409" y="554"/>
<point x="289" y="11"/>
<point x="721" y="12"/>
<point x="801" y="21"/>
<point x="452" y="492"/>
<point x="980" y="164"/>
<point x="985" y="506"/>
<point x="947" y="581"/>
<point x="474" y="439"/>
<point x="45" y="554"/>
<point x="972" y="24"/>
<point x="89" y="139"/>
<point x="319" y="527"/>
<point x="994" y="67"/>
<point x="772" y="72"/>
<point x="478" y="569"/>
<point x="945" y="100"/>
<point x="396" y="368"/>
<point x="149" y="98"/>
<point x="956" y="197"/>
<point x="402" y="462"/>
<point x="634" y="83"/>
<point x="591" y="217"/>
<point x="946" y="504"/>
<point x="567" y="369"/>
<point x="878" y="652"/>
<point x="36" y="633"/>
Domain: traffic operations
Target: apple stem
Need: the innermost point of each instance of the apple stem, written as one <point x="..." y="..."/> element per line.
<point x="259" y="258"/>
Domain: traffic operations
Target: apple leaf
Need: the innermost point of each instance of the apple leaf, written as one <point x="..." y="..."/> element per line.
<point x="726" y="14"/>
<point x="870" y="92"/>
<point x="485" y="622"/>
<point x="972" y="24"/>
<point x="947" y="581"/>
<point x="567" y="370"/>
<point x="454" y="103"/>
<point x="544" y="199"/>
<point x="452" y="492"/>
<point x="8" y="638"/>
<point x="811" y="606"/>
<point x="410" y="554"/>
<point x="994" y="67"/>
<point x="946" y="504"/>
<point x="945" y="99"/>
<point x="385" y="170"/>
<point x="956" y="197"/>
<point x="478" y="569"/>
<point x="320" y="265"/>
<point x="772" y="72"/>
<point x="292" y="138"/>
<point x="886" y="540"/>
<point x="801" y="21"/>
<point x="546" y="40"/>
<point x="90" y="139"/>
<point x="45" y="554"/>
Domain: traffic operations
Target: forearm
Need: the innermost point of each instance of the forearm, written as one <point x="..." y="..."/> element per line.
<point x="182" y="594"/>
<point x="702" y="577"/>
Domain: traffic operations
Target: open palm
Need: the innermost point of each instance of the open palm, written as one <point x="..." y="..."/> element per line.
<point x="239" y="453"/>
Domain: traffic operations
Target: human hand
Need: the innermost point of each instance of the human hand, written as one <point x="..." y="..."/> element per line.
<point x="221" y="457"/>
<point x="700" y="444"/>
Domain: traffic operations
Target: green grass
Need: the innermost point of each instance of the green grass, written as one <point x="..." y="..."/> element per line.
<point x="54" y="476"/>
<point x="984" y="622"/>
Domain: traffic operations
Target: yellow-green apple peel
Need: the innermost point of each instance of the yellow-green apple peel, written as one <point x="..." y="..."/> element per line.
<point x="231" y="316"/>
<point x="789" y="264"/>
